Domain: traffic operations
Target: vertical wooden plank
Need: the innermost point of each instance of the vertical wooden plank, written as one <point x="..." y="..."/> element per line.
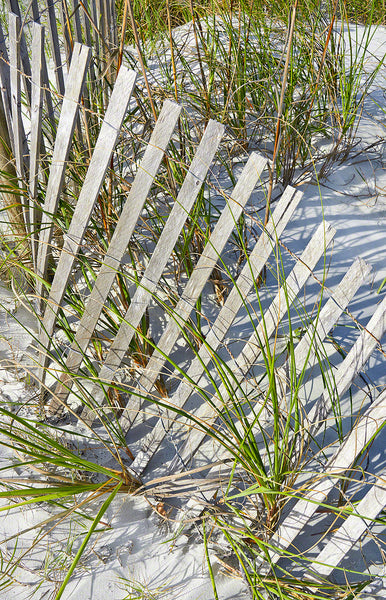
<point x="24" y="56"/>
<point x="36" y="130"/>
<point x="136" y="198"/>
<point x="94" y="16"/>
<point x="304" y="509"/>
<point x="95" y="176"/>
<point x="48" y="97"/>
<point x="76" y="16"/>
<point x="235" y="300"/>
<point x="55" y="46"/>
<point x="114" y="25"/>
<point x="248" y="355"/>
<point x="187" y="195"/>
<point x="67" y="120"/>
<point x="89" y="42"/>
<point x="352" y="529"/>
<point x="202" y="271"/>
<point x="35" y="13"/>
<point x="14" y="57"/>
<point x="5" y="85"/>
<point x="66" y="29"/>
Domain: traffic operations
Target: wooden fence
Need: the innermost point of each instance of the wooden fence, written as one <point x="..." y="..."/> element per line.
<point x="69" y="100"/>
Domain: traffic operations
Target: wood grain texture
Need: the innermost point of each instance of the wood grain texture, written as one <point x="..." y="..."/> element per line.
<point x="358" y="438"/>
<point x="55" y="46"/>
<point x="36" y="131"/>
<point x="197" y="281"/>
<point x="23" y="51"/>
<point x="235" y="300"/>
<point x="187" y="195"/>
<point x="259" y="339"/>
<point x="345" y="538"/>
<point x="66" y="126"/>
<point x="14" y="59"/>
<point x="131" y="211"/>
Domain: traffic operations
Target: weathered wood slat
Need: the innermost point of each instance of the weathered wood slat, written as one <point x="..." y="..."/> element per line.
<point x="5" y="85"/>
<point x="261" y="336"/>
<point x="14" y="58"/>
<point x="48" y="97"/>
<point x="66" y="126"/>
<point x="95" y="176"/>
<point x="35" y="13"/>
<point x="55" y="46"/>
<point x="305" y="508"/>
<point x="89" y="42"/>
<point x="66" y="30"/>
<point x="24" y="56"/>
<point x="94" y="16"/>
<point x="36" y="130"/>
<point x="202" y="271"/>
<point x="136" y="198"/>
<point x="187" y="195"/>
<point x="316" y="333"/>
<point x="350" y="367"/>
<point x="329" y="315"/>
<point x="352" y="529"/>
<point x="76" y="16"/>
<point x="228" y="313"/>
<point x="45" y="79"/>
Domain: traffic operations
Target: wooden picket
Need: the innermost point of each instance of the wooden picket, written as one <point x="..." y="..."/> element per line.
<point x="91" y="23"/>
<point x="66" y="126"/>
<point x="202" y="271"/>
<point x="119" y="242"/>
<point x="100" y="161"/>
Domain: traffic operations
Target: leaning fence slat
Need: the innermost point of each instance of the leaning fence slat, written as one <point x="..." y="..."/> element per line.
<point x="87" y="32"/>
<point x="35" y="12"/>
<point x="66" y="29"/>
<point x="350" y="367"/>
<point x="14" y="59"/>
<point x="187" y="195"/>
<point x="352" y="529"/>
<point x="202" y="271"/>
<point x="96" y="172"/>
<point x="329" y="315"/>
<point x="55" y="46"/>
<point x="5" y="85"/>
<point x="304" y="509"/>
<point x="36" y="129"/>
<point x="66" y="126"/>
<point x="136" y="198"/>
<point x="48" y="97"/>
<point x="264" y="330"/>
<point x="94" y="17"/>
<point x="24" y="56"/>
<point x="77" y="27"/>
<point x="228" y="313"/>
